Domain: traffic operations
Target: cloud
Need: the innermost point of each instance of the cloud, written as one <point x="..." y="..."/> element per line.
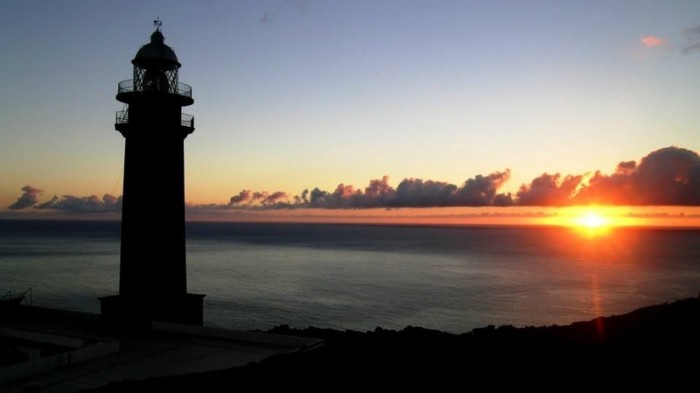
<point x="67" y="203"/>
<point x="30" y="196"/>
<point x="275" y="198"/>
<point x="481" y="190"/>
<point x="248" y="198"/>
<point x="668" y="176"/>
<point x="549" y="190"/>
<point x="379" y="189"/>
<point x="693" y="40"/>
<point x="242" y="197"/>
<point x="317" y="198"/>
<point x="89" y="204"/>
<point x="428" y="193"/>
<point x="651" y="41"/>
<point x="410" y="192"/>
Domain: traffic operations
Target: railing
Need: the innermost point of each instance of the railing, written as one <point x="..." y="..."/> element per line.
<point x="122" y="117"/>
<point x="186" y="120"/>
<point x="128" y="86"/>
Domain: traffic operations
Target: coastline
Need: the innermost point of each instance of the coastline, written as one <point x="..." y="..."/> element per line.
<point x="656" y="344"/>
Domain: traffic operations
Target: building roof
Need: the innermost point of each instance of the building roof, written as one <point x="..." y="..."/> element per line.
<point x="156" y="50"/>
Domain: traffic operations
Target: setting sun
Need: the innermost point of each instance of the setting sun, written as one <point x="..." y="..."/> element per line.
<point x="592" y="223"/>
<point x="592" y="220"/>
<point x="596" y="220"/>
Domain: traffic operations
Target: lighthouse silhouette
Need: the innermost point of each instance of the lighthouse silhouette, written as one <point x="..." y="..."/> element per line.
<point x="153" y="276"/>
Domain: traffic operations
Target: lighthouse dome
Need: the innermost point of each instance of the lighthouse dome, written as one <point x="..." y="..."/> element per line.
<point x="156" y="52"/>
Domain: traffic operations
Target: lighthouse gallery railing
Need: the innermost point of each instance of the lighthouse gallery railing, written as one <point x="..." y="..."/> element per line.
<point x="186" y="120"/>
<point x="128" y="86"/>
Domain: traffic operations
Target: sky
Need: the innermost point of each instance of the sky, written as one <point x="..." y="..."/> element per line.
<point x="303" y="95"/>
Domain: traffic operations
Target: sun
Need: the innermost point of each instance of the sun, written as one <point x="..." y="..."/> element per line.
<point x="592" y="223"/>
<point x="592" y="220"/>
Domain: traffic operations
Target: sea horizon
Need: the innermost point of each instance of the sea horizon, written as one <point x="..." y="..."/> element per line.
<point x="633" y="216"/>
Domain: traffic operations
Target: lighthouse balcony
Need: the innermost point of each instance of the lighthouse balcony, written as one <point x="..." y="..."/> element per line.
<point x="122" y="124"/>
<point x="129" y="89"/>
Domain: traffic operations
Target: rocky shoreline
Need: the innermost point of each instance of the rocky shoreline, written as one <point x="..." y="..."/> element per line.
<point x="657" y="344"/>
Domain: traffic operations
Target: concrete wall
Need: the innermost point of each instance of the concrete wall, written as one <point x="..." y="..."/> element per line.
<point x="78" y="349"/>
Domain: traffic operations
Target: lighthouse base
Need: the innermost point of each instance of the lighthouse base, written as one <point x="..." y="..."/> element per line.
<point x="139" y="312"/>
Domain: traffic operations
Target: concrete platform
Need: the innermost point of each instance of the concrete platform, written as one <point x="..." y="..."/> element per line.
<point x="89" y="355"/>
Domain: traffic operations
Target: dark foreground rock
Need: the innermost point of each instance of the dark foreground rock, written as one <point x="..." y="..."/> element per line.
<point x="657" y="346"/>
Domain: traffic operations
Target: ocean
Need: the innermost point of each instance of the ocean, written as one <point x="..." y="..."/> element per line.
<point x="259" y="275"/>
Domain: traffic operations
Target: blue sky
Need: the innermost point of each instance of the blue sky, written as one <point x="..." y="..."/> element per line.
<point x="292" y="95"/>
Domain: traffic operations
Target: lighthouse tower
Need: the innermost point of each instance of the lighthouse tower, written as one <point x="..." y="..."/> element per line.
<point x="153" y="277"/>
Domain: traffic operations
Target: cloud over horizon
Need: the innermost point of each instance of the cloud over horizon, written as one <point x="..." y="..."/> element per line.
<point x="667" y="176"/>
<point x="549" y="190"/>
<point x="249" y="198"/>
<point x="89" y="204"/>
<point x="67" y="203"/>
<point x="477" y="191"/>
<point x="29" y="198"/>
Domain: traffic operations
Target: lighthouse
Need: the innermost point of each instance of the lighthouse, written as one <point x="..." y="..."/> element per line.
<point x="153" y="275"/>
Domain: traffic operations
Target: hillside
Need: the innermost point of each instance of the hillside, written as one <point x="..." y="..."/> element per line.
<point x="657" y="344"/>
